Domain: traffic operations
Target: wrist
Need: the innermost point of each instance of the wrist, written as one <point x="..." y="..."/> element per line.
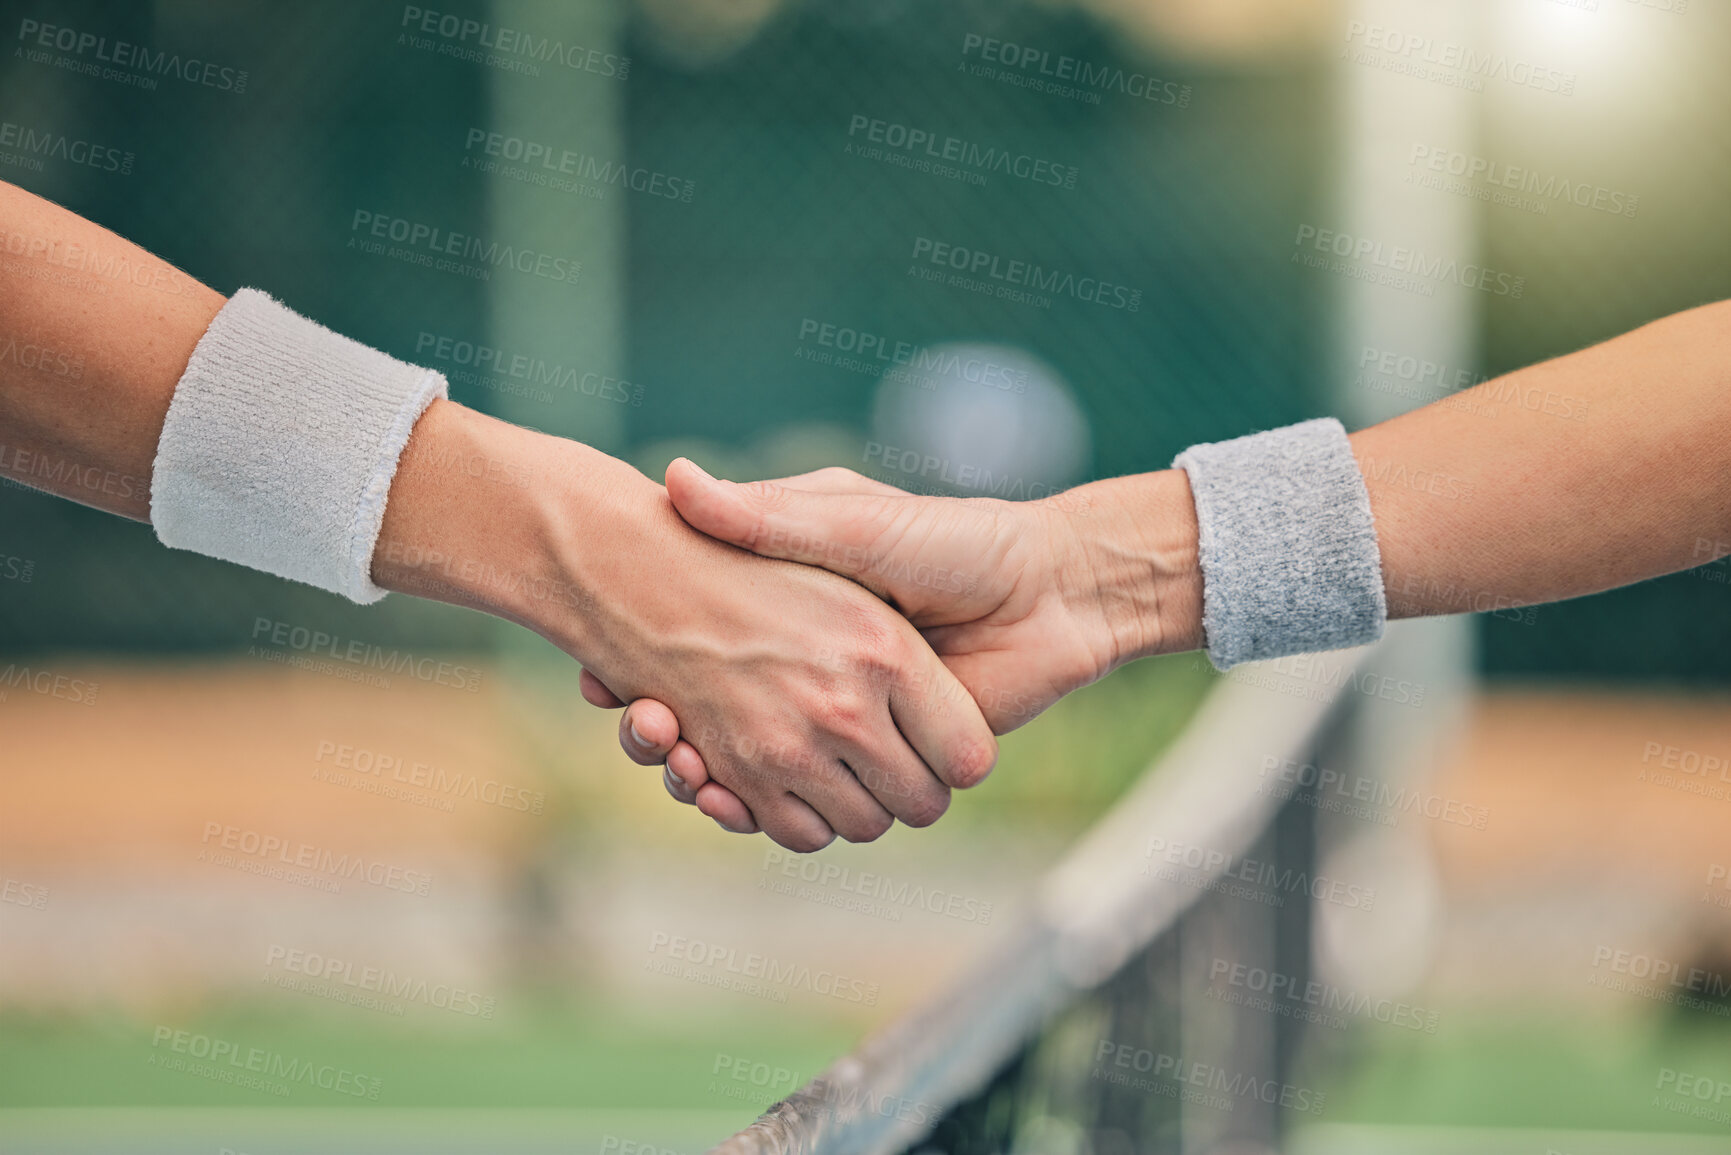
<point x="488" y="515"/>
<point x="1134" y="577"/>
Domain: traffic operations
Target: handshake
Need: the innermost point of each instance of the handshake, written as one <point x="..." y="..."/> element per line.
<point x="810" y="704"/>
<point x="824" y="654"/>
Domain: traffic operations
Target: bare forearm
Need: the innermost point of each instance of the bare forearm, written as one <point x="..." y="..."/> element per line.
<point x="1579" y="474"/>
<point x="488" y="515"/>
<point x="96" y="332"/>
<point x="1576" y="475"/>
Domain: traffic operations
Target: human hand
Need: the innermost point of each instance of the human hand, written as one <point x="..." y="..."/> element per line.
<point x="1024" y="601"/>
<point x="816" y="708"/>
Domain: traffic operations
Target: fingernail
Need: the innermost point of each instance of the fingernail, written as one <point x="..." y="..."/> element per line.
<point x="676" y="776"/>
<point x="732" y="829"/>
<point x="638" y="738"/>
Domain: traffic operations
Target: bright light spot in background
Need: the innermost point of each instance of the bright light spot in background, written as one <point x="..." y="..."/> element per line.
<point x="988" y="421"/>
<point x="701" y="32"/>
<point x="1616" y="50"/>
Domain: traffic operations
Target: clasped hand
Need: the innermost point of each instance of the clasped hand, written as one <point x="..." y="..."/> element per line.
<point x="1017" y="603"/>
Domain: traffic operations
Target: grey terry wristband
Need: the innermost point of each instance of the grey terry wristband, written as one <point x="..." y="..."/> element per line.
<point x="1288" y="549"/>
<point x="280" y="446"/>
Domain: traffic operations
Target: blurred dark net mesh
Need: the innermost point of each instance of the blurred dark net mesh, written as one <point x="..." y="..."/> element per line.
<point x="1189" y="204"/>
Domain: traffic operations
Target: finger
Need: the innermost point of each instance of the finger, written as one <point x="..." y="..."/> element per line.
<point x="647" y="732"/>
<point x="942" y="722"/>
<point x="843" y="801"/>
<point x="983" y="674"/>
<point x="838" y="480"/>
<point x="677" y="787"/>
<point x="781" y="790"/>
<point x="789" y="821"/>
<point x="686" y="764"/>
<point x="818" y="780"/>
<point x="724" y="806"/>
<point x="897" y="777"/>
<point x="595" y="693"/>
<point x="844" y="534"/>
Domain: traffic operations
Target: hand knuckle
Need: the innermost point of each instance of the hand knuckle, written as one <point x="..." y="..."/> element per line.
<point x="871" y="829"/>
<point x="843" y="711"/>
<point x="971" y="761"/>
<point x="806" y="842"/>
<point x="927" y="808"/>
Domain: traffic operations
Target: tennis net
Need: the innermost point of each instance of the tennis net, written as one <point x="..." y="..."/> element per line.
<point x="1154" y="997"/>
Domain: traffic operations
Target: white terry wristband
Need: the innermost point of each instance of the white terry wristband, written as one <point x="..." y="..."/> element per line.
<point x="1288" y="549"/>
<point x="280" y="446"/>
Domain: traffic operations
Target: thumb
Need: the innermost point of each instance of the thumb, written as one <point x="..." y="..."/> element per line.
<point x="838" y="532"/>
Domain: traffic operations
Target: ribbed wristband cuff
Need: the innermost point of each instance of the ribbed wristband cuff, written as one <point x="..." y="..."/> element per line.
<point x="280" y="446"/>
<point x="1288" y="548"/>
